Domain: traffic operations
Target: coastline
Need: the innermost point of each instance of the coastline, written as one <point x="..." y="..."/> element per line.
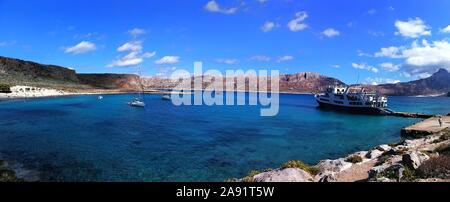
<point x="414" y="159"/>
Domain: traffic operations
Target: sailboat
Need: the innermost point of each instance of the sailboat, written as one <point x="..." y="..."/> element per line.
<point x="139" y="101"/>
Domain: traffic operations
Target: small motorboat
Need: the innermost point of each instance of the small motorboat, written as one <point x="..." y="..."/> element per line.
<point x="166" y="97"/>
<point x="137" y="103"/>
<point x="100" y="97"/>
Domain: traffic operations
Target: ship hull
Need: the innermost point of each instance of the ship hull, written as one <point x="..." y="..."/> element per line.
<point x="348" y="109"/>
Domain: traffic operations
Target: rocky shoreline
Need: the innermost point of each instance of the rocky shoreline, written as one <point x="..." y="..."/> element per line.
<point x="414" y="159"/>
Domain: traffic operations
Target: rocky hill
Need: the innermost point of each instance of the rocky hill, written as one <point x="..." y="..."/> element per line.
<point x="19" y="72"/>
<point x="110" y="81"/>
<point x="438" y="83"/>
<point x="306" y="82"/>
<point x="295" y="83"/>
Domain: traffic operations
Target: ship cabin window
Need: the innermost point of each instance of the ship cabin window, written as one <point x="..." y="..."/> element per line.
<point x="355" y="103"/>
<point x="339" y="102"/>
<point x="339" y="96"/>
<point x="326" y="100"/>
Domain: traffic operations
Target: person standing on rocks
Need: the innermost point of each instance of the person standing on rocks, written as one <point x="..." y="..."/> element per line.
<point x="440" y="121"/>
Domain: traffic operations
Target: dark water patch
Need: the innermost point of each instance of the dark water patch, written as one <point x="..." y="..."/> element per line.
<point x="18" y="114"/>
<point x="76" y="105"/>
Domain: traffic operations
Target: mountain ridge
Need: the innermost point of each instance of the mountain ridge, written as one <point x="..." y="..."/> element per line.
<point x="16" y="71"/>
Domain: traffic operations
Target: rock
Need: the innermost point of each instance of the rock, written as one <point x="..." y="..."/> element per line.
<point x="333" y="166"/>
<point x="328" y="178"/>
<point x="284" y="175"/>
<point x="373" y="173"/>
<point x="383" y="179"/>
<point x="374" y="153"/>
<point x="414" y="159"/>
<point x="394" y="172"/>
<point x="384" y="147"/>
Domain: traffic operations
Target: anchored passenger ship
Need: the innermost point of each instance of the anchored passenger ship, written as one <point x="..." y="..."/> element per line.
<point x="352" y="99"/>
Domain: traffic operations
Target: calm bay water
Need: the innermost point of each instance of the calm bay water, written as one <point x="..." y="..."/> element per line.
<point x="82" y="138"/>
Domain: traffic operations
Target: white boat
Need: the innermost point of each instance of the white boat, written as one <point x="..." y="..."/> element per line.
<point x="352" y="99"/>
<point x="166" y="97"/>
<point x="100" y="97"/>
<point x="137" y="103"/>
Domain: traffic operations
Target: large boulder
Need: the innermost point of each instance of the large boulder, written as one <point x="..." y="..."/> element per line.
<point x="374" y="153"/>
<point x="393" y="172"/>
<point x="333" y="166"/>
<point x="328" y="178"/>
<point x="414" y="159"/>
<point x="284" y="175"/>
<point x="384" y="147"/>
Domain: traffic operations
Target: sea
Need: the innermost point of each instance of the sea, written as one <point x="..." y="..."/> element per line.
<point x="83" y="138"/>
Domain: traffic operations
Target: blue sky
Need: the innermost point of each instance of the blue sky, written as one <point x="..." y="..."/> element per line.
<point x="382" y="41"/>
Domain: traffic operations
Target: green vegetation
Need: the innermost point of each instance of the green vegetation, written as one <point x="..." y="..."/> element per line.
<point x="381" y="160"/>
<point x="5" y="88"/>
<point x="250" y="175"/>
<point x="409" y="175"/>
<point x="445" y="135"/>
<point x="7" y="175"/>
<point x="443" y="149"/>
<point x="437" y="167"/>
<point x="354" y="159"/>
<point x="313" y="170"/>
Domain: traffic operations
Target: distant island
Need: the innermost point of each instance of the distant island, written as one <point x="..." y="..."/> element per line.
<point x="15" y="72"/>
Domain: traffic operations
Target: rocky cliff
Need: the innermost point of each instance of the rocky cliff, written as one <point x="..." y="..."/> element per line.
<point x="20" y="72"/>
<point x="438" y="83"/>
<point x="110" y="81"/>
<point x="306" y="82"/>
<point x="14" y="72"/>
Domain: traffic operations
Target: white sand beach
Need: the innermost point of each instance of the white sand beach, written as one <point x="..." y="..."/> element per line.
<point x="31" y="92"/>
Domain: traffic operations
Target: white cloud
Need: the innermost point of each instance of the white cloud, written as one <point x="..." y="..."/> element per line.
<point x="268" y="26"/>
<point x="426" y="57"/>
<point x="168" y="60"/>
<point x="134" y="57"/>
<point x="363" y="54"/>
<point x="376" y="81"/>
<point x="82" y="47"/>
<point x="134" y="46"/>
<point x="446" y="29"/>
<point x="213" y="6"/>
<point x="390" y="52"/>
<point x="372" y="12"/>
<point x="136" y="32"/>
<point x="376" y="33"/>
<point x="285" y="58"/>
<point x="149" y="54"/>
<point x="413" y="28"/>
<point x="421" y="58"/>
<point x="336" y="66"/>
<point x="227" y="61"/>
<point x="390" y="66"/>
<point x="365" y="67"/>
<point x="330" y="32"/>
<point x="261" y="58"/>
<point x="297" y="24"/>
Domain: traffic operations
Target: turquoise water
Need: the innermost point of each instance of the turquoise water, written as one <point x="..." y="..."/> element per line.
<point x="82" y="138"/>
